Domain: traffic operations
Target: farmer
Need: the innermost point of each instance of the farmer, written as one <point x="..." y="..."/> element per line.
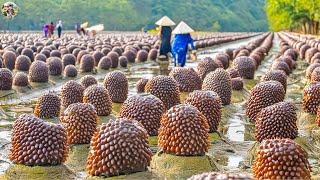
<point x="59" y="28"/>
<point x="45" y="29"/>
<point x="165" y="34"/>
<point x="181" y="43"/>
<point x="51" y="29"/>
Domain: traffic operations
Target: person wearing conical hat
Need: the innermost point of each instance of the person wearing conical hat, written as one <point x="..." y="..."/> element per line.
<point x="181" y="43"/>
<point x="165" y="24"/>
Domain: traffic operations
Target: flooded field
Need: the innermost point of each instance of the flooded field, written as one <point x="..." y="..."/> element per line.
<point x="232" y="149"/>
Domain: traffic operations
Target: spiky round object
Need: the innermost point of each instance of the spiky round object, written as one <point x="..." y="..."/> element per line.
<point x="209" y="104"/>
<point x="281" y="65"/>
<point x="5" y="79"/>
<point x="28" y="52"/>
<point x="277" y="121"/>
<point x="48" y="106"/>
<point x="38" y="72"/>
<point x="36" y="142"/>
<point x="219" y="81"/>
<point x="20" y="79"/>
<point x="220" y="176"/>
<point x="86" y="63"/>
<point x="310" y="69"/>
<point x="131" y="56"/>
<point x="123" y="61"/>
<point x="22" y="63"/>
<point x="118" y="50"/>
<point x="153" y="53"/>
<point x="205" y="66"/>
<point x="237" y="83"/>
<point x="117" y="85"/>
<point x="55" y="53"/>
<point x="224" y="59"/>
<point x="68" y="59"/>
<point x="184" y="131"/>
<point x="55" y="66"/>
<point x="311" y="98"/>
<point x="233" y="72"/>
<point x="142" y="56"/>
<point x="80" y="122"/>
<point x="40" y="57"/>
<point x="262" y="95"/>
<point x="70" y="71"/>
<point x="9" y="59"/>
<point x="97" y="55"/>
<point x="315" y="76"/>
<point x="114" y="57"/>
<point x="245" y="66"/>
<point x="187" y="79"/>
<point x="276" y="75"/>
<point x="104" y="63"/>
<point x="165" y="88"/>
<point x="88" y="80"/>
<point x="71" y="92"/>
<point x="125" y="133"/>
<point x="98" y="96"/>
<point x="147" y="109"/>
<point x="141" y="85"/>
<point x="45" y="52"/>
<point x="80" y="54"/>
<point x="281" y="159"/>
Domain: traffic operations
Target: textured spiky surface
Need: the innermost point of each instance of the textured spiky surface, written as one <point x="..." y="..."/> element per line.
<point x="20" y="79"/>
<point x="38" y="72"/>
<point x="98" y="96"/>
<point x="245" y="66"/>
<point x="5" y="79"/>
<point x="71" y="92"/>
<point x="119" y="147"/>
<point x="311" y="98"/>
<point x="140" y="85"/>
<point x="187" y="79"/>
<point x="116" y="83"/>
<point x="48" y="106"/>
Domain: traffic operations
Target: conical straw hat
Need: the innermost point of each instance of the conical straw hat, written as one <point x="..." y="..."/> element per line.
<point x="165" y="21"/>
<point x="182" y="28"/>
<point x="84" y="25"/>
<point x="97" y="28"/>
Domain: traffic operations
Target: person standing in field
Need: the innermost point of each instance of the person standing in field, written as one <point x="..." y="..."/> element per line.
<point x="59" y="28"/>
<point x="45" y="30"/>
<point x="51" y="29"/>
<point x="165" y="24"/>
<point x="181" y="43"/>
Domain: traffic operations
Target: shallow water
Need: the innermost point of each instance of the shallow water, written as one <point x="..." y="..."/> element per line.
<point x="231" y="150"/>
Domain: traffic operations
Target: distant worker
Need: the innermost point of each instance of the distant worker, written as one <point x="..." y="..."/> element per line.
<point x="45" y="29"/>
<point x="165" y="34"/>
<point x="78" y="29"/>
<point x="59" y="28"/>
<point x="181" y="43"/>
<point x="51" y="29"/>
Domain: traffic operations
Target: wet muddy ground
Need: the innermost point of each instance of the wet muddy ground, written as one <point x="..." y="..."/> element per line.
<point x="232" y="149"/>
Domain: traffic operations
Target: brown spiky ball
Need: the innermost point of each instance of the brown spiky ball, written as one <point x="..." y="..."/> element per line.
<point x="219" y="81"/>
<point x="233" y="72"/>
<point x="165" y="88"/>
<point x="311" y="98"/>
<point x="80" y="122"/>
<point x="262" y="95"/>
<point x="224" y="59"/>
<point x="98" y="96"/>
<point x="187" y="79"/>
<point x="55" y="53"/>
<point x="6" y="79"/>
<point x="123" y="61"/>
<point x="97" y="55"/>
<point x="221" y="176"/>
<point x="245" y="66"/>
<point x="131" y="56"/>
<point x="37" y="143"/>
<point x="127" y="141"/>
<point x="147" y="109"/>
<point x="71" y="92"/>
<point x="86" y="63"/>
<point x="153" y="53"/>
<point x="88" y="80"/>
<point x="68" y="59"/>
<point x="281" y="159"/>
<point x="281" y="65"/>
<point x="20" y="79"/>
<point x="142" y="56"/>
<point x="116" y="83"/>
<point x="114" y="57"/>
<point x="205" y="66"/>
<point x="209" y="104"/>
<point x="184" y="131"/>
<point x="40" y="57"/>
<point x="70" y="71"/>
<point x="38" y="72"/>
<point x="28" y="52"/>
<point x="276" y="75"/>
<point x="48" y="106"/>
<point x="55" y="66"/>
<point x="22" y="63"/>
<point x="237" y="83"/>
<point x="277" y="121"/>
<point x="80" y="54"/>
<point x="140" y="85"/>
<point x="9" y="59"/>
<point x="315" y="75"/>
<point x="104" y="63"/>
<point x="310" y="69"/>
